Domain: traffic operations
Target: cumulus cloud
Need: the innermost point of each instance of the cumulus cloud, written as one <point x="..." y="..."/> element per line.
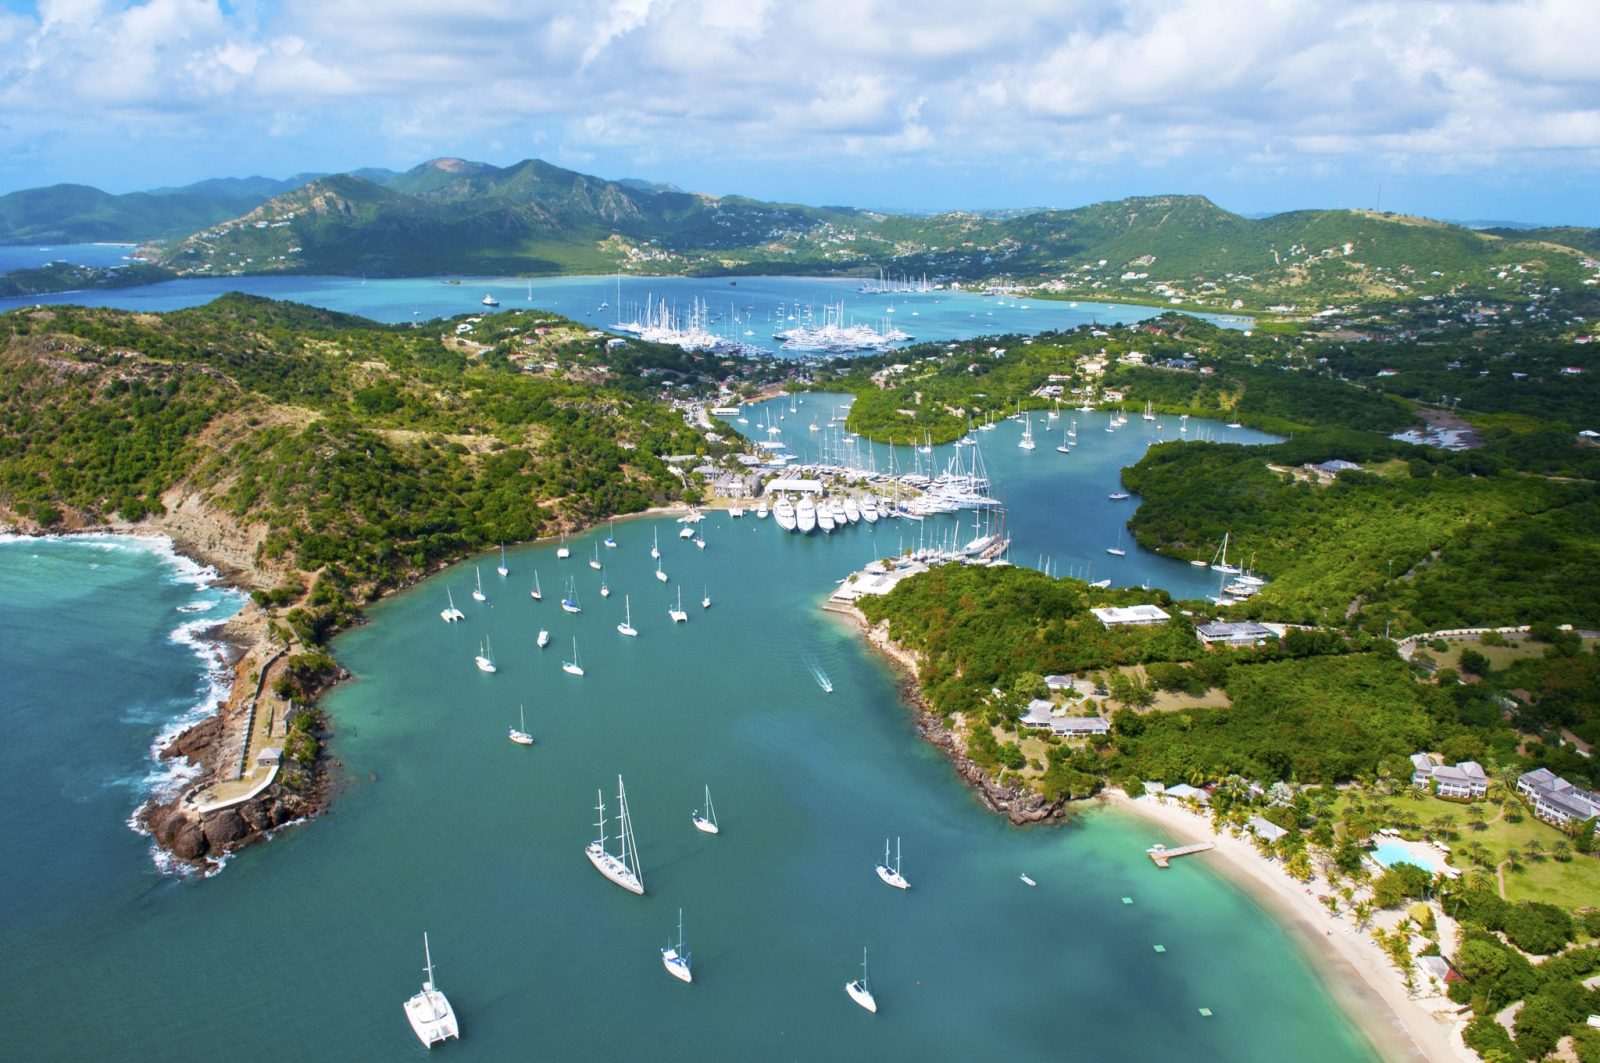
<point x="1424" y="85"/>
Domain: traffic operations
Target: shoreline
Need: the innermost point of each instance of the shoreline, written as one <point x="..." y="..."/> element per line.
<point x="1358" y="976"/>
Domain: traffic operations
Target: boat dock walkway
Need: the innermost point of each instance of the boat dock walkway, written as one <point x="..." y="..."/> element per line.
<point x="1161" y="855"/>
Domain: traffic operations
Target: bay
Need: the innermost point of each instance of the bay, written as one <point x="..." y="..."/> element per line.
<point x="30" y="256"/>
<point x="748" y="309"/>
<point x="307" y="946"/>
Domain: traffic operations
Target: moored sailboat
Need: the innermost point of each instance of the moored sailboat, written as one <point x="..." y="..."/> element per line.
<point x="574" y="666"/>
<point x="860" y="990"/>
<point x="451" y="614"/>
<point x="430" y="1014"/>
<point x="519" y="734"/>
<point x="503" y="570"/>
<point x="485" y="658"/>
<point x="622" y="868"/>
<point x="708" y="821"/>
<point x="890" y="873"/>
<point x="675" y="959"/>
<point x="477" y="592"/>
<point x="626" y="627"/>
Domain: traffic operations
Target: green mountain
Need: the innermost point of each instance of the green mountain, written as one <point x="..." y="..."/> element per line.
<point x="457" y="216"/>
<point x="80" y="214"/>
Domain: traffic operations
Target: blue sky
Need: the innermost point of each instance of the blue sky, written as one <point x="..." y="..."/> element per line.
<point x="1466" y="110"/>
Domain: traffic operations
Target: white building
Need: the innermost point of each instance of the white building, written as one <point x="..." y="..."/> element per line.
<point x="1466" y="779"/>
<point x="1135" y="615"/>
<point x="1557" y="801"/>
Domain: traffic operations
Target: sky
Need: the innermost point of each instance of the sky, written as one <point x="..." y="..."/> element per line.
<point x="1470" y="110"/>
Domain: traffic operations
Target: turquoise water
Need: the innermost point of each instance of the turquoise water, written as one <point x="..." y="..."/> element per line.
<point x="1390" y="854"/>
<point x="1059" y="512"/>
<point x="758" y="305"/>
<point x="306" y="947"/>
<point x="30" y="256"/>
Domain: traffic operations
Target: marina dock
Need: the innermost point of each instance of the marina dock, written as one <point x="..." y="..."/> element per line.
<point x="1161" y="855"/>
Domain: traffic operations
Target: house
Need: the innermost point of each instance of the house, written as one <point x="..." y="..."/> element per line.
<point x="1557" y="801"/>
<point x="1184" y="792"/>
<point x="1264" y="828"/>
<point x="1438" y="970"/>
<point x="1059" y="682"/>
<point x="1132" y="615"/>
<point x="1465" y="780"/>
<point x="1041" y="717"/>
<point x="1229" y="633"/>
<point x="1337" y="466"/>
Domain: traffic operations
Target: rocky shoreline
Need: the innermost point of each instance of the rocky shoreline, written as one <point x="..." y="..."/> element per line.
<point x="1020" y="806"/>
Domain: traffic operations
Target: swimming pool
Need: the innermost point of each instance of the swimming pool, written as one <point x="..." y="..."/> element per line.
<point x="1390" y="853"/>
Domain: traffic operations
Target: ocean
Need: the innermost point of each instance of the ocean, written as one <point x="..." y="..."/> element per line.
<point x="307" y="946"/>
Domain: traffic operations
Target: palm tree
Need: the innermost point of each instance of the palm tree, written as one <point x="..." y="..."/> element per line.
<point x="1514" y="859"/>
<point x="1562" y="851"/>
<point x="1476" y="816"/>
<point x="1535" y="850"/>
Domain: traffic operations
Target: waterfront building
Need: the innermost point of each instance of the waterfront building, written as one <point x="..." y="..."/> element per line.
<point x="1466" y="779"/>
<point x="1135" y="615"/>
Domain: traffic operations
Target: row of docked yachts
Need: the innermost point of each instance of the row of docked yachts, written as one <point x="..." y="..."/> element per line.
<point x="809" y="514"/>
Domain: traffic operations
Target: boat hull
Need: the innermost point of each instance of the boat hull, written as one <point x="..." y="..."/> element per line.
<point x="676" y="965"/>
<point x="431" y="1017"/>
<point x="703" y="824"/>
<point x="892" y="877"/>
<point x="613" y="869"/>
<point x="861" y="995"/>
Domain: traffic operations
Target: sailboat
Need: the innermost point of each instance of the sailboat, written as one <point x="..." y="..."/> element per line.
<point x="626" y="627"/>
<point x="430" y="1014"/>
<point x="610" y="541"/>
<point x="676" y="612"/>
<point x="536" y="593"/>
<point x="686" y="532"/>
<point x="655" y="544"/>
<point x="700" y="541"/>
<point x="1117" y="551"/>
<point x="675" y="959"/>
<point x="519" y="734"/>
<point x="891" y="874"/>
<point x="574" y="666"/>
<point x="860" y="990"/>
<point x="1219" y="563"/>
<point x="1149" y="410"/>
<point x="561" y="551"/>
<point x="503" y="570"/>
<point x="660" y="575"/>
<point x="623" y="868"/>
<point x="543" y="640"/>
<point x="1027" y="442"/>
<point x="569" y="603"/>
<point x="1065" y="447"/>
<point x="594" y="562"/>
<point x="485" y="658"/>
<point x="605" y="591"/>
<point x="707" y="822"/>
<point x="477" y="593"/>
<point x="705" y="598"/>
<point x="451" y="614"/>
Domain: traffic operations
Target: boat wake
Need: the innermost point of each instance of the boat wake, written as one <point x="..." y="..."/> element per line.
<point x="817" y="674"/>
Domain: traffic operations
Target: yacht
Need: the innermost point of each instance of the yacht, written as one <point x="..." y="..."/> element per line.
<point x="574" y="666"/>
<point x="824" y="511"/>
<point x="655" y="544"/>
<point x="852" y="510"/>
<point x="676" y="612"/>
<point x="1118" y="496"/>
<point x="705" y="598"/>
<point x="890" y="873"/>
<point x="430" y="1014"/>
<point x="543" y="640"/>
<point x="784" y="513"/>
<point x="605" y="591"/>
<point x="477" y="592"/>
<point x="841" y="516"/>
<point x="610" y="542"/>
<point x="594" y="562"/>
<point x="869" y="509"/>
<point x="622" y="868"/>
<point x="569" y="602"/>
<point x="708" y="821"/>
<point x="519" y="734"/>
<point x="489" y="300"/>
<point x="485" y="658"/>
<point x="561" y="551"/>
<point x="626" y="627"/>
<point x="536" y="594"/>
<point x="761" y="510"/>
<point x="675" y="959"/>
<point x="503" y="570"/>
<point x="660" y="575"/>
<point x="860" y="990"/>
<point x="805" y="515"/>
<point x="1027" y="442"/>
<point x="451" y="614"/>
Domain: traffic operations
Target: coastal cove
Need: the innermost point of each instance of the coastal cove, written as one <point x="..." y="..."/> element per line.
<point x="747" y="309"/>
<point x="443" y="825"/>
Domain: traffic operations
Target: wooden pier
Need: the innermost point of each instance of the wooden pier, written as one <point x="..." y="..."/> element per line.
<point x="1160" y="854"/>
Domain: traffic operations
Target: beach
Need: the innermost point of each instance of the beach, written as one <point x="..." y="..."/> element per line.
<point x="1358" y="975"/>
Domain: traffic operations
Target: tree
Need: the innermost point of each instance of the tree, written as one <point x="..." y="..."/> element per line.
<point x="1475" y="815"/>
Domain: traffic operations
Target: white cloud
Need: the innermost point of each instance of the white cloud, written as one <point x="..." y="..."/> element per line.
<point x="1418" y="85"/>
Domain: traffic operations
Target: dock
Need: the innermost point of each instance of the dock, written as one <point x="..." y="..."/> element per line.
<point x="1161" y="855"/>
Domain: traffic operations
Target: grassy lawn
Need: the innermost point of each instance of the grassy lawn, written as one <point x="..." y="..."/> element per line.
<point x="1499" y="656"/>
<point x="1573" y="884"/>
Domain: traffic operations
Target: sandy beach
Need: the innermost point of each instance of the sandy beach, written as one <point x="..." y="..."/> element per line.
<point x="1355" y="971"/>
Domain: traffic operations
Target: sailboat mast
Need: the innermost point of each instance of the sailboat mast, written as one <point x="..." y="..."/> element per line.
<point x="427" y="957"/>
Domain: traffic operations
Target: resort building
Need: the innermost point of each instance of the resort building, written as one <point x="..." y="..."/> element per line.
<point x="1466" y="779"/>
<point x="1265" y="829"/>
<point x="1230" y="633"/>
<point x="1557" y="801"/>
<point x="1135" y="615"/>
<point x="1041" y="716"/>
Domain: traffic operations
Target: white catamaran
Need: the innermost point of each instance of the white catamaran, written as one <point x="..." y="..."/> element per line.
<point x="708" y="821"/>
<point x="451" y="614"/>
<point x="429" y="1012"/>
<point x="676" y="612"/>
<point x="623" y="868"/>
<point x="675" y="959"/>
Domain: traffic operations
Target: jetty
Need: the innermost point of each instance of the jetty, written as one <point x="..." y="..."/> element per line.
<point x="1161" y="855"/>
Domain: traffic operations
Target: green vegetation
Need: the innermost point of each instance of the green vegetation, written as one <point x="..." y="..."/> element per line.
<point x="368" y="454"/>
<point x="65" y="277"/>
<point x="79" y="214"/>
